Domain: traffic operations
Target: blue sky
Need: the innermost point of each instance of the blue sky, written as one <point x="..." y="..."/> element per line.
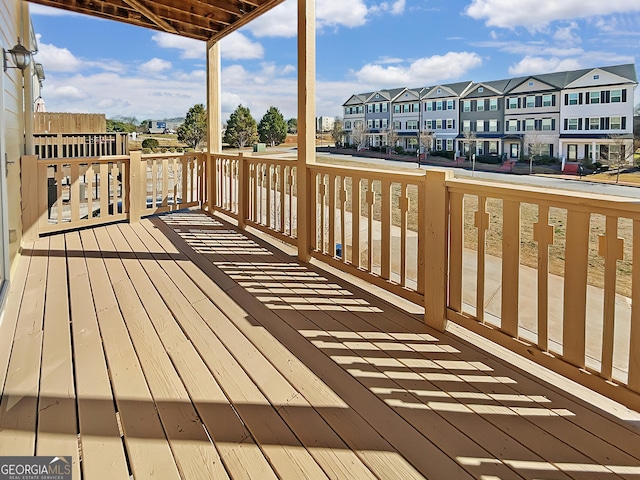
<point x="101" y="66"/>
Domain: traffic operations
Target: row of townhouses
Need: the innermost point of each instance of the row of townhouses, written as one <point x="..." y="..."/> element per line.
<point x="575" y="115"/>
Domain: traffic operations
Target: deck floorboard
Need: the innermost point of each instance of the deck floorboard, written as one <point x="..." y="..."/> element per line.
<point x="181" y="347"/>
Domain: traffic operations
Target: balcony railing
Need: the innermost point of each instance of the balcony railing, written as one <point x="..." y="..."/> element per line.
<point x="549" y="274"/>
<point x="73" y="145"/>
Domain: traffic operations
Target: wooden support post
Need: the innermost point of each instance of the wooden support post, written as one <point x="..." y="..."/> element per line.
<point x="306" y="121"/>
<point x="436" y="233"/>
<point x="30" y="197"/>
<point x="214" y="114"/>
<point x="137" y="190"/>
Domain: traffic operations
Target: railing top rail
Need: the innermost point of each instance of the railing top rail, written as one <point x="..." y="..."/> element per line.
<point x="593" y="202"/>
<point x="367" y="172"/>
<point x="99" y="159"/>
<point x="146" y="156"/>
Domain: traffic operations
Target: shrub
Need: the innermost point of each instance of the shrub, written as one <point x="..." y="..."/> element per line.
<point x="146" y="150"/>
<point x="442" y="153"/>
<point x="398" y="149"/>
<point x="546" y="160"/>
<point x="491" y="158"/>
<point x="150" y="143"/>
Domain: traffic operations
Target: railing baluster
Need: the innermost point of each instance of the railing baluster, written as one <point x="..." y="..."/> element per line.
<point x="482" y="224"/>
<point x="612" y="249"/>
<point x="543" y="234"/>
<point x="165" y="182"/>
<point x="74" y="191"/>
<point x="510" y="267"/>
<point x="331" y="216"/>
<point x="356" y="208"/>
<point x="403" y="204"/>
<point x="456" y="243"/>
<point x="281" y="176"/>
<point x="575" y="287"/>
<point x="634" y="340"/>
<point x="104" y="190"/>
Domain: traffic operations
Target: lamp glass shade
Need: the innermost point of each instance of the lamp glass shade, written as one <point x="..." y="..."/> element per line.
<point x="39" y="70"/>
<point x="21" y="56"/>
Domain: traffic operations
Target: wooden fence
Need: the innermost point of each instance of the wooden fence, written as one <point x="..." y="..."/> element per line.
<point x="75" y="145"/>
<point x="62" y="122"/>
<point x="67" y="193"/>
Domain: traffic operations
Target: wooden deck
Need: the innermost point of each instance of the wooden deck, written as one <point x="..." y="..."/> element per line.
<point x="181" y="347"/>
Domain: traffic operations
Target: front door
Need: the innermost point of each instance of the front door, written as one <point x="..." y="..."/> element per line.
<point x="515" y="150"/>
<point x="572" y="153"/>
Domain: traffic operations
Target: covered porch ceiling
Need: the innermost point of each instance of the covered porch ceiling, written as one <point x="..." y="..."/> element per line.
<point x="208" y="20"/>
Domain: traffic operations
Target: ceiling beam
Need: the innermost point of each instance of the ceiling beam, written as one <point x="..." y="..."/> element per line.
<point x="164" y="25"/>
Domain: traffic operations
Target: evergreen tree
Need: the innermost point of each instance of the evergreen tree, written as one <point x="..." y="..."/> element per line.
<point x="194" y="129"/>
<point x="272" y="128"/>
<point x="292" y="125"/>
<point x="241" y="129"/>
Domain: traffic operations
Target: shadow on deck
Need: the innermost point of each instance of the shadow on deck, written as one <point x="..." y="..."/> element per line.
<point x="181" y="347"/>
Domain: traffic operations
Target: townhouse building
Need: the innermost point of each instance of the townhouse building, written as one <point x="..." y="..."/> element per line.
<point x="579" y="115"/>
<point x="440" y="106"/>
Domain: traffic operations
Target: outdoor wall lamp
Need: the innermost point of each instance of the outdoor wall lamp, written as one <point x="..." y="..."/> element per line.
<point x="39" y="70"/>
<point x="20" y="55"/>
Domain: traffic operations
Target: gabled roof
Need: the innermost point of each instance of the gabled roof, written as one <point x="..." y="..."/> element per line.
<point x="201" y="20"/>
<point x="357" y="99"/>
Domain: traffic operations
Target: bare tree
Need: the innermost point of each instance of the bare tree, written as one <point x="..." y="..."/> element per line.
<point x="359" y="135"/>
<point x="337" y="132"/>
<point x="425" y="139"/>
<point x="620" y="152"/>
<point x="534" y="147"/>
<point x="391" y="137"/>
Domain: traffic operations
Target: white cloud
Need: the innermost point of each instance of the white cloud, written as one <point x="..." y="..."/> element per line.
<point x="282" y="21"/>
<point x="532" y="65"/>
<point x="394" y="8"/>
<point x="155" y="65"/>
<point x="567" y="35"/>
<point x="65" y="92"/>
<point x="190" y="48"/>
<point x="425" y="71"/>
<point x="57" y="59"/>
<point x="238" y="46"/>
<point x="537" y="14"/>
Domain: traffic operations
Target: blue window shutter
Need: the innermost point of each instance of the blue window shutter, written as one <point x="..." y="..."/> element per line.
<point x="624" y="123"/>
<point x="624" y="94"/>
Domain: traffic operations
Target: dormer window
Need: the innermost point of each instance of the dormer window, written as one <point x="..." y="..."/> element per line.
<point x="531" y="84"/>
<point x="480" y="89"/>
<point x="596" y="77"/>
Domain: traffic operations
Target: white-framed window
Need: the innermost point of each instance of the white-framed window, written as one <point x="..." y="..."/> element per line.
<point x="480" y="126"/>
<point x="480" y="148"/>
<point x="531" y="84"/>
<point x="529" y="124"/>
<point x="369" y="123"/>
<point x="412" y="124"/>
<point x="594" y="123"/>
<point x="428" y="124"/>
<point x="370" y="108"/>
<point x="480" y="105"/>
<point x="572" y="124"/>
<point x="547" y="100"/>
<point x="615" y="123"/>
<point x="416" y="107"/>
<point x="466" y="125"/>
<point x="513" y="102"/>
<point x="377" y="122"/>
<point x="396" y="109"/>
<point x="480" y="89"/>
<point x="450" y="123"/>
<point x="438" y="144"/>
<point x="358" y="124"/>
<point x="439" y="124"/>
<point x="493" y="125"/>
<point x="573" y="99"/>
<point x="429" y="106"/>
<point x="512" y="125"/>
<point x="385" y="123"/>
<point x="347" y="125"/>
<point x="450" y="105"/>
<point x="466" y="106"/>
<point x="616" y="95"/>
<point x="439" y="105"/>
<point x="493" y="104"/>
<point x="594" y="97"/>
<point x="493" y="147"/>
<point x="547" y="124"/>
<point x="406" y="108"/>
<point x="397" y="125"/>
<point x="439" y="90"/>
<point x="449" y="144"/>
<point x="530" y="101"/>
<point x="385" y="106"/>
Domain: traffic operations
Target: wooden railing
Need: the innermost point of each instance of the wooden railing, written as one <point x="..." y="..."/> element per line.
<point x="259" y="192"/>
<point x="549" y="274"/>
<point x="75" y="145"/>
<point x="367" y="223"/>
<point x="62" y="194"/>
